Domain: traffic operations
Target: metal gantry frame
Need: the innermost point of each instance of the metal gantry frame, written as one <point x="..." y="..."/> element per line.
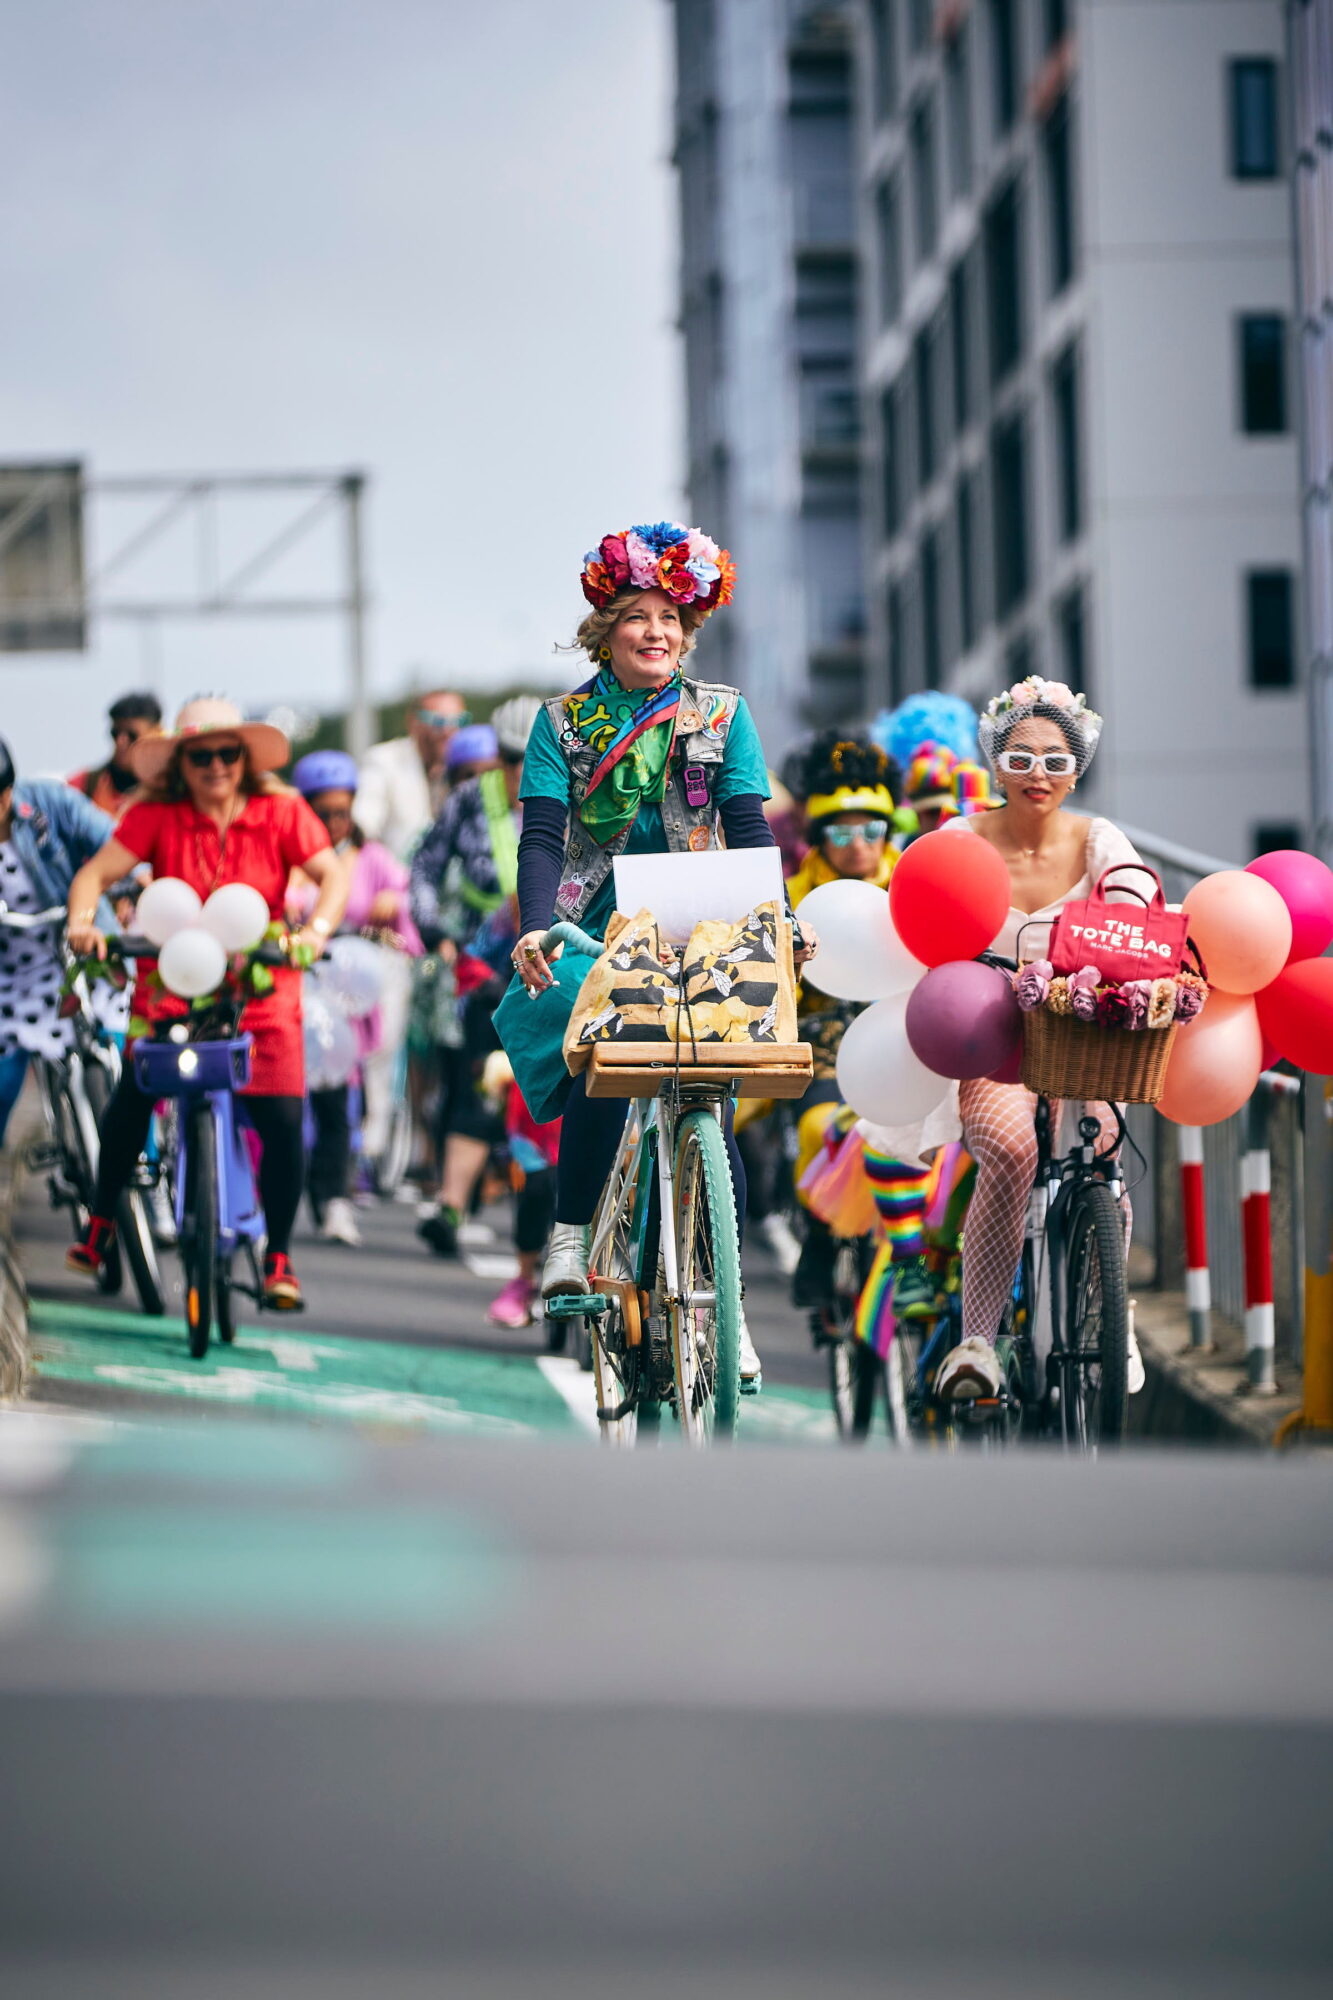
<point x="212" y="592"/>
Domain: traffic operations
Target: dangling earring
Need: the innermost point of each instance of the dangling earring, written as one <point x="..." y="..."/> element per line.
<point x="1073" y="788"/>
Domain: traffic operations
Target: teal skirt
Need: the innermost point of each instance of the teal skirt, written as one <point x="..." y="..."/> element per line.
<point x="532" y="1034"/>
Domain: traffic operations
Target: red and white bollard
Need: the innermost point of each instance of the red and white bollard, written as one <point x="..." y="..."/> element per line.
<point x="1256" y="1212"/>
<point x="1198" y="1286"/>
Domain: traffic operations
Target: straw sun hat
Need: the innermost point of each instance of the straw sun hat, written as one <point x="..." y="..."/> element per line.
<point x="201" y="720"/>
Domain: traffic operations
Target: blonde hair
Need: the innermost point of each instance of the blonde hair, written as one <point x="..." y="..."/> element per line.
<point x="170" y="788"/>
<point x="598" y="626"/>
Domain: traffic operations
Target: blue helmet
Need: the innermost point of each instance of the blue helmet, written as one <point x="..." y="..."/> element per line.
<point x="325" y="771"/>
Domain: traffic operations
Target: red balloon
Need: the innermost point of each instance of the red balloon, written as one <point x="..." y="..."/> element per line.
<point x="1305" y="885"/>
<point x="949" y="896"/>
<point x="1012" y="1070"/>
<point x="1296" y="1014"/>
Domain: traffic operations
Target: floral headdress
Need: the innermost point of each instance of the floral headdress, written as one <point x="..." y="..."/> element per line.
<point x="1035" y="696"/>
<point x="659" y="555"/>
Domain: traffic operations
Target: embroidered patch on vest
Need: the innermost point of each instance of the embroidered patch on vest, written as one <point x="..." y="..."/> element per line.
<point x="698" y="839"/>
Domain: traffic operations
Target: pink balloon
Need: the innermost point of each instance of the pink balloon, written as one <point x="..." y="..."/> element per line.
<point x="1243" y="928"/>
<point x="1305" y="885"/>
<point x="1215" y="1062"/>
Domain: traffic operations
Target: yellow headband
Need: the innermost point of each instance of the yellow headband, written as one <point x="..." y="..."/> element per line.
<point x="849" y="798"/>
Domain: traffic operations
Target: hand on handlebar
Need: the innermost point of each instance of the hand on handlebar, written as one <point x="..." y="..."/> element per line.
<point x="85" y="940"/>
<point x="808" y="945"/>
<point x="532" y="964"/>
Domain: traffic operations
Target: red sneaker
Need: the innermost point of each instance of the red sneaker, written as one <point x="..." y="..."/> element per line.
<point x="90" y="1252"/>
<point x="282" y="1287"/>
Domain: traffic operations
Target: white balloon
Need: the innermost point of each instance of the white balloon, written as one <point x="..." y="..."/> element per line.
<point x="165" y="907"/>
<point x="331" y="1048"/>
<point x="191" y="963"/>
<point x="860" y="956"/>
<point x="237" y="915"/>
<point x="351" y="974"/>
<point x="879" y="1074"/>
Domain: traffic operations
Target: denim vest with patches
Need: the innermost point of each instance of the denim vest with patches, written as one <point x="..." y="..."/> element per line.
<point x="704" y="717"/>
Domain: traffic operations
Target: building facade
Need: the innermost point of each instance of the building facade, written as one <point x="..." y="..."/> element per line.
<point x="764" y="126"/>
<point x="1080" y="452"/>
<point x="1310" y="47"/>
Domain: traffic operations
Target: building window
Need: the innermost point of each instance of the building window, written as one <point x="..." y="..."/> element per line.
<point x="1008" y="456"/>
<point x="1004" y="297"/>
<point x="958" y="111"/>
<point x="931" y="650"/>
<point x="1020" y="658"/>
<point x="960" y="348"/>
<point x="923" y="370"/>
<point x="1068" y="458"/>
<point x="884" y="57"/>
<point x="1263" y="374"/>
<point x="1254" y="116"/>
<point x="967" y="556"/>
<point x="1072" y="638"/>
<point x="922" y="143"/>
<point x="903" y="421"/>
<point x="891" y="472"/>
<point x="1004" y="63"/>
<point x="888" y="214"/>
<point x="1272" y="835"/>
<point x="895" y="635"/>
<point x="1057" y="156"/>
<point x="918" y="25"/>
<point x="1054" y="21"/>
<point x="1272" y="650"/>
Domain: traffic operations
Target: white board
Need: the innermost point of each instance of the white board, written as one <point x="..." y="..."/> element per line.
<point x="683" y="890"/>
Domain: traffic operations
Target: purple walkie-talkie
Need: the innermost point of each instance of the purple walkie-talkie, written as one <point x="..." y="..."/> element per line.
<point x="696" y="785"/>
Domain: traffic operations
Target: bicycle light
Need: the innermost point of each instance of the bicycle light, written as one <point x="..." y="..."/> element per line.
<point x="188" y="1063"/>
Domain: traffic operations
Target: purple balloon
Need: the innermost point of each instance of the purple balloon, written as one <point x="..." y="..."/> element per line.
<point x="963" y="1020"/>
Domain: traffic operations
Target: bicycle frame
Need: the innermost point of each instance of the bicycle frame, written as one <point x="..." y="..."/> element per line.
<point x="209" y="1072"/>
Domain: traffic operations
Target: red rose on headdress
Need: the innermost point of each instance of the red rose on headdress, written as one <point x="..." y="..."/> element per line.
<point x="673" y="577"/>
<point x="614" y="560"/>
<point x="598" y="587"/>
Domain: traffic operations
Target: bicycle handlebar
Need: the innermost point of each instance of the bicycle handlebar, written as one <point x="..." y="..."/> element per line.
<point x="130" y="946"/>
<point x="19" y="920"/>
<point x="576" y="939"/>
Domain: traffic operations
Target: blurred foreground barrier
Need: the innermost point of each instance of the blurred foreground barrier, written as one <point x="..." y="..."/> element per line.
<point x="1316" y="1412"/>
<point x="1194" y="1214"/>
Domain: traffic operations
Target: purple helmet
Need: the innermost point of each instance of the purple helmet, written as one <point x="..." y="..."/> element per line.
<point x="325" y="771"/>
<point x="474" y="743"/>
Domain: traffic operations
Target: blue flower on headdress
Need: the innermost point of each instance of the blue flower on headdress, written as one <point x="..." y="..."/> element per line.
<point x="661" y="535"/>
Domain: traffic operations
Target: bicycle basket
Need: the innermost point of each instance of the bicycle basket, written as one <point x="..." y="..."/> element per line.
<point x="208" y="1066"/>
<point x="1081" y="1060"/>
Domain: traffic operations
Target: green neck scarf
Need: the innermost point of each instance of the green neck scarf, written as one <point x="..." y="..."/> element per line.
<point x="632" y="734"/>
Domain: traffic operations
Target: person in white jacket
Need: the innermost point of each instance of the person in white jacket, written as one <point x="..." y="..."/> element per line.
<point x="402" y="784"/>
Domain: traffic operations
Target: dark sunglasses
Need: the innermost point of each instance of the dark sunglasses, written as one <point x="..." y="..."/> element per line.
<point x="130" y="729"/>
<point x="222" y="753"/>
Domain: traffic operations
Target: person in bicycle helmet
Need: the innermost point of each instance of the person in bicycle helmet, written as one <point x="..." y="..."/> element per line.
<point x="47" y="831"/>
<point x="1038" y="739"/>
<point x="641" y="758"/>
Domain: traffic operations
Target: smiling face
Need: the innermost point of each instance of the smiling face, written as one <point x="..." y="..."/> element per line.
<point x="645" y="641"/>
<point x="211" y="780"/>
<point x="1036" y="790"/>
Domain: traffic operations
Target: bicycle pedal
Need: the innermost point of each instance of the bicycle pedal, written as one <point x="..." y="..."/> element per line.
<point x="573" y="1305"/>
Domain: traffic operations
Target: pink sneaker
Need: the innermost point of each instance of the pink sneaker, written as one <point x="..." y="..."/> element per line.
<point x="513" y="1307"/>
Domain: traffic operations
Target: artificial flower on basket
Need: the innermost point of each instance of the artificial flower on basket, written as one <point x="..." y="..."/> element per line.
<point x="1088" y="997"/>
<point x="1090" y="1037"/>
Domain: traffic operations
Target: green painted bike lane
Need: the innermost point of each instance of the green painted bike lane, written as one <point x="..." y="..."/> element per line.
<point x="333" y="1379"/>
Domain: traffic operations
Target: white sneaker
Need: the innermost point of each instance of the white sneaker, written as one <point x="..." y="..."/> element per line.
<point x="1136" y="1373"/>
<point x="161" y="1214"/>
<point x="970" y="1370"/>
<point x="566" y="1266"/>
<point x="752" y="1373"/>
<point x="340" y="1225"/>
<point x="780" y="1237"/>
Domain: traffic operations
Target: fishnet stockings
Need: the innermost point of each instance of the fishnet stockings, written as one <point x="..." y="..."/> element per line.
<point x="999" y="1134"/>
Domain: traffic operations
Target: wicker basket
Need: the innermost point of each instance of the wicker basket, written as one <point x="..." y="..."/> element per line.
<point x="1068" y="1058"/>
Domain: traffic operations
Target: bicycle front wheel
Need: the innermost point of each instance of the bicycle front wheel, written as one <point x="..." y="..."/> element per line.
<point x="199" y="1229"/>
<point x="1095" y="1401"/>
<point x="706" y="1317"/>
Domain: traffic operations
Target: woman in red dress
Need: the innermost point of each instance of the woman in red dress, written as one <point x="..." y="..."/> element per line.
<point x="212" y="812"/>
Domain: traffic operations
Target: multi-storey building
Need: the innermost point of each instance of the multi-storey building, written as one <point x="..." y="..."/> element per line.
<point x="1076" y="320"/>
<point x="1310" y="43"/>
<point x="763" y="148"/>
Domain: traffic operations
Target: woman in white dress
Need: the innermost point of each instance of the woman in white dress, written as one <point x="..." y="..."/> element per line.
<point x="47" y="832"/>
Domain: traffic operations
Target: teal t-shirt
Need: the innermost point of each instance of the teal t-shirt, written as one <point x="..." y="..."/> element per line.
<point x="546" y="776"/>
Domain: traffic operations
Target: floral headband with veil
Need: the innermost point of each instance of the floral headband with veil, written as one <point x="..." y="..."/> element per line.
<point x="1051" y="700"/>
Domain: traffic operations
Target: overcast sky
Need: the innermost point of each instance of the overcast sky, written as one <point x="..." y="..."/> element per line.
<point x="433" y="241"/>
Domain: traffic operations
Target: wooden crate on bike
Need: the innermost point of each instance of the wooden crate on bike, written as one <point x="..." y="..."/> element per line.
<point x="753" y="1069"/>
<point x="1082" y="1060"/>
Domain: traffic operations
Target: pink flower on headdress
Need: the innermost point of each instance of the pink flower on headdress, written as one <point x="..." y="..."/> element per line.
<point x="642" y="562"/>
<point x="614" y="559"/>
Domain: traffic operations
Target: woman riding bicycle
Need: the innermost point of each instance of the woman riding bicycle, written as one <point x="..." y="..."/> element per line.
<point x="1038" y="740"/>
<point x="641" y="759"/>
<point x="213" y="812"/>
<point x="47" y="830"/>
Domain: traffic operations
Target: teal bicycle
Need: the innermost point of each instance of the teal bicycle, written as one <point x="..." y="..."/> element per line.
<point x="663" y="1313"/>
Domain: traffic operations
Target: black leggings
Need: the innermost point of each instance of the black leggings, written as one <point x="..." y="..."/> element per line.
<point x="124" y="1133"/>
<point x="589" y="1137"/>
<point x="330" y="1161"/>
